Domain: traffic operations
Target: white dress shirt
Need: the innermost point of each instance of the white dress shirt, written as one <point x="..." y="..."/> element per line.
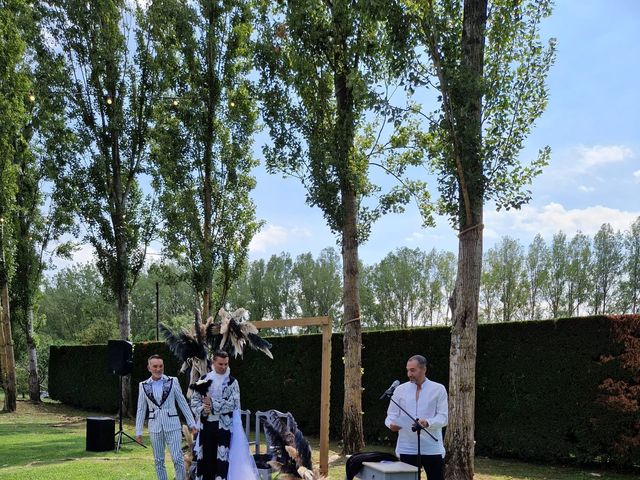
<point x="430" y="405"/>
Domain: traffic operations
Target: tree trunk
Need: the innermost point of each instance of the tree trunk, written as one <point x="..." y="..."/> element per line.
<point x="34" y="381"/>
<point x="352" y="431"/>
<point x="462" y="358"/>
<point x="6" y="347"/>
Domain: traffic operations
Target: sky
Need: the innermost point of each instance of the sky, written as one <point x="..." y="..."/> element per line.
<point x="592" y="124"/>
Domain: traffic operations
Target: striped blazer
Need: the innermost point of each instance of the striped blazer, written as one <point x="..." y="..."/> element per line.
<point x="163" y="415"/>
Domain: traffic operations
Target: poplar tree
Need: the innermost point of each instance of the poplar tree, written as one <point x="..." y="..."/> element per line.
<point x="202" y="139"/>
<point x="322" y="64"/>
<point x="488" y="65"/>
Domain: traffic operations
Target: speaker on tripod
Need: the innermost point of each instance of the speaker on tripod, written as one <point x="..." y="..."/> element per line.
<point x="120" y="362"/>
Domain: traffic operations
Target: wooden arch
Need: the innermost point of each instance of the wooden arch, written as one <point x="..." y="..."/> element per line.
<point x="325" y="379"/>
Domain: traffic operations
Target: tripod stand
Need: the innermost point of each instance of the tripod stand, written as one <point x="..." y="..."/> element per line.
<point x="120" y="433"/>
<point x="415" y="428"/>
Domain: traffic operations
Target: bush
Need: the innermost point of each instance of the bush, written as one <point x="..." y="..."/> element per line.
<point x="538" y="384"/>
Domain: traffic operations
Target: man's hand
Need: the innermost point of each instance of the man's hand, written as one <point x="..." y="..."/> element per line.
<point x="139" y="439"/>
<point x="423" y="423"/>
<point x="194" y="430"/>
<point x="207" y="405"/>
<point x="395" y="428"/>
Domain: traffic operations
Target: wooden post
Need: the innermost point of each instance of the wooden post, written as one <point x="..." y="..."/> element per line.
<point x="325" y="379"/>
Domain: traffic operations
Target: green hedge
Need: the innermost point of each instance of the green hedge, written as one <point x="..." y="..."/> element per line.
<point x="536" y="384"/>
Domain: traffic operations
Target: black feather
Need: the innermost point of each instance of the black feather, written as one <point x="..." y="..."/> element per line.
<point x="212" y="335"/>
<point x="281" y="431"/>
<point x="278" y="437"/>
<point x="201" y="387"/>
<point x="183" y="345"/>
<point x="235" y="329"/>
<point x="258" y="343"/>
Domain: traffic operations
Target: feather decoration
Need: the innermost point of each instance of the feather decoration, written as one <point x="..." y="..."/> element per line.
<point x="183" y="345"/>
<point x="238" y="333"/>
<point x="292" y="451"/>
<point x="201" y="386"/>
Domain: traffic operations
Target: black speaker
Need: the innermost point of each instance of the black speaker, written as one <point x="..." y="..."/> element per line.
<point x="100" y="434"/>
<point x="119" y="357"/>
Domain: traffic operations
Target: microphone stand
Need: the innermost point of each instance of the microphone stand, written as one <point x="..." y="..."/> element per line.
<point x="415" y="428"/>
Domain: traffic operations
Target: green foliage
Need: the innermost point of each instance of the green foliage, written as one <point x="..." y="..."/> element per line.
<point x="521" y="378"/>
<point x="15" y="85"/>
<point x="202" y="138"/>
<point x="607" y="266"/>
<point x="74" y="300"/>
<point x="108" y="108"/>
<point x="321" y="68"/>
<point x="464" y="149"/>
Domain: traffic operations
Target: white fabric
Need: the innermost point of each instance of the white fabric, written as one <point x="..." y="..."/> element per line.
<point x="173" y="439"/>
<point x="156" y="387"/>
<point x="163" y="417"/>
<point x="431" y="405"/>
<point x="242" y="466"/>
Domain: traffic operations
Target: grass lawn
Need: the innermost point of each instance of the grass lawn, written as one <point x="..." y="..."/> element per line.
<point x="47" y="442"/>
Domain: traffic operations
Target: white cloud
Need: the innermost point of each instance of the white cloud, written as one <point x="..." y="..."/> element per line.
<point x="554" y="217"/>
<point x="637" y="174"/>
<point x="276" y="236"/>
<point x="415" y="237"/>
<point x="599" y="155"/>
<point x="585" y="189"/>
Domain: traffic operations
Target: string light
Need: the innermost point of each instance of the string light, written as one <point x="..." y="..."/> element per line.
<point x="232" y="104"/>
<point x="32" y="97"/>
<point x="108" y="99"/>
<point x="175" y="102"/>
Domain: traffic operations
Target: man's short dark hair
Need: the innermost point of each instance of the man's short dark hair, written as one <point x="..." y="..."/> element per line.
<point x="154" y="357"/>
<point x="220" y="353"/>
<point x="421" y="360"/>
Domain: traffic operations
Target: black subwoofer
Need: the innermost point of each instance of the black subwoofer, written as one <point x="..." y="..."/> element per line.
<point x="100" y="434"/>
<point x="120" y="357"/>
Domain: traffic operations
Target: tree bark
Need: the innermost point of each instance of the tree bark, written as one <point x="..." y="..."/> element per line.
<point x="462" y="358"/>
<point x="6" y="346"/>
<point x="352" y="431"/>
<point x="32" y="353"/>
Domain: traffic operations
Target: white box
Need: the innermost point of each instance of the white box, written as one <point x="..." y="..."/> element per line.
<point x="387" y="471"/>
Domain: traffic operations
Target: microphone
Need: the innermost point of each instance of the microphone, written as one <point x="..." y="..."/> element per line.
<point x="390" y="390"/>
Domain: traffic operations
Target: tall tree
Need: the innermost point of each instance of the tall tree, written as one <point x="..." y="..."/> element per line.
<point x="607" y="266"/>
<point x="320" y="63"/>
<point x="536" y="276"/>
<point x="203" y="136"/>
<point x="490" y="73"/>
<point x="505" y="267"/>
<point x="446" y="266"/>
<point x="630" y="286"/>
<point x="578" y="271"/>
<point x="44" y="199"/>
<point x="319" y="285"/>
<point x="557" y="271"/>
<point x="400" y="287"/>
<point x="14" y="98"/>
<point x="249" y="290"/>
<point x="279" y="281"/>
<point x="108" y="58"/>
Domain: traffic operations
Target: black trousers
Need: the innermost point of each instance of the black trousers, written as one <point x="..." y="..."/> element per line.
<point x="433" y="464"/>
<point x="213" y="437"/>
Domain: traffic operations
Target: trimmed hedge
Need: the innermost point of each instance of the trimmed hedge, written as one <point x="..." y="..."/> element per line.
<point x="537" y="395"/>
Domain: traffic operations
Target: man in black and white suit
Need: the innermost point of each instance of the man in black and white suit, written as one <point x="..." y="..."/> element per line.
<point x="158" y="396"/>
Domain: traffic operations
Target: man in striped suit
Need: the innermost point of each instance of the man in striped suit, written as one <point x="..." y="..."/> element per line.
<point x="159" y="395"/>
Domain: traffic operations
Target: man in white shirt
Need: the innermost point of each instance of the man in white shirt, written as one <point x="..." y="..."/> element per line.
<point x="426" y="401"/>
